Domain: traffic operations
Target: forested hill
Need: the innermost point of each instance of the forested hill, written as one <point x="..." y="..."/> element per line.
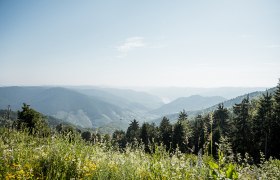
<point x="227" y="104"/>
<point x="248" y="127"/>
<point x="106" y="107"/>
<point x="230" y="103"/>
<point x="190" y="103"/>
<point x="67" y="104"/>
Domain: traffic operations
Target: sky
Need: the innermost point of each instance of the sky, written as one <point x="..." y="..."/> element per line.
<point x="155" y="43"/>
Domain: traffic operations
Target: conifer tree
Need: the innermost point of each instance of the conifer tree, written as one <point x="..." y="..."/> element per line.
<point x="132" y="133"/>
<point x="242" y="127"/>
<point x="179" y="140"/>
<point x="33" y="121"/>
<point x="276" y="123"/>
<point x="182" y="132"/>
<point x="220" y="126"/>
<point x="198" y="138"/>
<point x="220" y="120"/>
<point x="166" y="132"/>
<point x="144" y="136"/>
<point x="262" y="125"/>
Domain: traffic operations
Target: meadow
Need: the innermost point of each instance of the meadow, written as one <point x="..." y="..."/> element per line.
<point x="24" y="156"/>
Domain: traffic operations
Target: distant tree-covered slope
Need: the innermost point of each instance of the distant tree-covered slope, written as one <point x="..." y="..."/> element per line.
<point x="191" y="103"/>
<point x="172" y="93"/>
<point x="227" y="104"/>
<point x="123" y="102"/>
<point x="137" y="97"/>
<point x="66" y="104"/>
<point x="231" y="102"/>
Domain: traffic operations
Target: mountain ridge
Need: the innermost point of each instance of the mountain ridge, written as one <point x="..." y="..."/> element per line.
<point x="191" y="103"/>
<point x="227" y="104"/>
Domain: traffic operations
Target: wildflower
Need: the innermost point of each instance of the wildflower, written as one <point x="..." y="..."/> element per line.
<point x="9" y="176"/>
<point x="14" y="165"/>
<point x="91" y="166"/>
<point x="21" y="172"/>
<point x="88" y="168"/>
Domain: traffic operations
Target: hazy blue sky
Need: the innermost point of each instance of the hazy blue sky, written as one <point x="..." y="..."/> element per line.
<point x="140" y="43"/>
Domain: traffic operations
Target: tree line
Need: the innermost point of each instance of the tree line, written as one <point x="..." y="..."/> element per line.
<point x="251" y="127"/>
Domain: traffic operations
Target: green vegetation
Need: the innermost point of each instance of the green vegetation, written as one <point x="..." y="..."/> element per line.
<point x="249" y="128"/>
<point x="237" y="143"/>
<point x="30" y="157"/>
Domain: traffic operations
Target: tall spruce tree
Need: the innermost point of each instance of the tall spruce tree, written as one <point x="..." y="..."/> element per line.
<point x="276" y="123"/>
<point x="198" y="138"/>
<point x="179" y="140"/>
<point x="220" y="126"/>
<point x="276" y="98"/>
<point x="165" y="129"/>
<point x="183" y="115"/>
<point x="182" y="132"/>
<point x="132" y="133"/>
<point x="33" y="121"/>
<point x="262" y="125"/>
<point x="144" y="136"/>
<point x="241" y="139"/>
<point x="220" y="120"/>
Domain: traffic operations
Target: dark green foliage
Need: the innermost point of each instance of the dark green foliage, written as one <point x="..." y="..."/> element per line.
<point x="182" y="133"/>
<point x="198" y="139"/>
<point x="149" y="136"/>
<point x="250" y="127"/>
<point x="179" y="140"/>
<point x="220" y="126"/>
<point x="165" y="129"/>
<point x="242" y="133"/>
<point x="262" y="125"/>
<point x="133" y="131"/>
<point x="86" y="136"/>
<point x="33" y="121"/>
<point x="221" y="118"/>
<point x="119" y="139"/>
<point x="277" y="103"/>
<point x="183" y="116"/>
<point x="275" y="143"/>
<point x="144" y="136"/>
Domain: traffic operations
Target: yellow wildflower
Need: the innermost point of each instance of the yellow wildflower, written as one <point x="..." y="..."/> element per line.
<point x="9" y="176"/>
<point x="14" y="165"/>
<point x="88" y="168"/>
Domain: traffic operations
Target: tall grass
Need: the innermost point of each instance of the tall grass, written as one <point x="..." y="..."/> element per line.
<point x="27" y="157"/>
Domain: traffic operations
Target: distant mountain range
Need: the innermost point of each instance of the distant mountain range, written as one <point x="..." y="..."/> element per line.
<point x="79" y="107"/>
<point x="190" y="103"/>
<point x="227" y="104"/>
<point x="124" y="98"/>
<point x="106" y="108"/>
<point x="169" y="94"/>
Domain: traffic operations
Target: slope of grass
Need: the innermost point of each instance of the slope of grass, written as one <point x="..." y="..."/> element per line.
<point x="28" y="157"/>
